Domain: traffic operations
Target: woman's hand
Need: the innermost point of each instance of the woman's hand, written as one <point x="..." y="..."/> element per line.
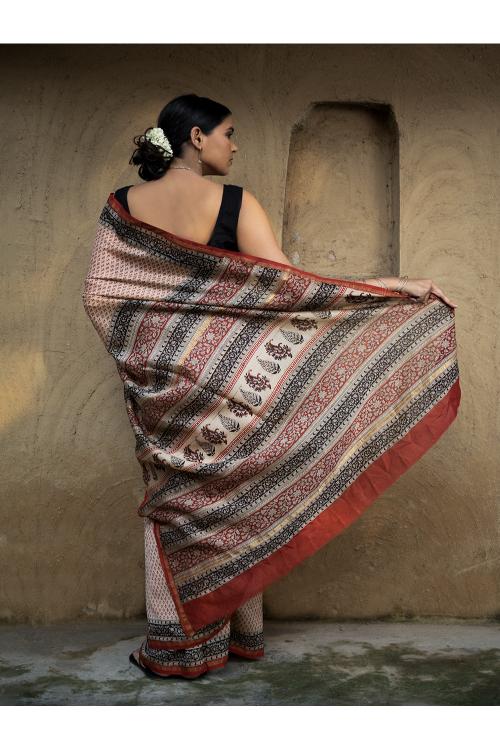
<point x="422" y="288"/>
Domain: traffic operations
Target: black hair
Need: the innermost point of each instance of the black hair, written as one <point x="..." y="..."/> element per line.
<point x="176" y="120"/>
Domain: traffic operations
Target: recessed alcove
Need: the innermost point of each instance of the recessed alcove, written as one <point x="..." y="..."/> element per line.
<point x="341" y="213"/>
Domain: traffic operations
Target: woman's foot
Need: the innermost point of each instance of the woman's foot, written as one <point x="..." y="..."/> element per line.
<point x="135" y="656"/>
<point x="134" y="659"/>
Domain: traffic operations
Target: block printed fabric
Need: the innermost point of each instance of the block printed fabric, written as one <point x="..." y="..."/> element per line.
<point x="270" y="406"/>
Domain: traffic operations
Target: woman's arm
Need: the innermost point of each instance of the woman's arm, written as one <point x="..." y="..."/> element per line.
<point x="255" y="236"/>
<point x="420" y="289"/>
<point x="254" y="233"/>
<point x="393" y="283"/>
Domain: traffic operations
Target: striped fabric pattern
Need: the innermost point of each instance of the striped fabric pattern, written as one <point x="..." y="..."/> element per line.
<point x="270" y="406"/>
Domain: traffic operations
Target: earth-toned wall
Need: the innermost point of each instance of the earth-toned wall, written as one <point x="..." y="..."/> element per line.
<point x="369" y="159"/>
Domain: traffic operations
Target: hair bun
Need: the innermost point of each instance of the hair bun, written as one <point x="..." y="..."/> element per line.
<point x="177" y="118"/>
<point x="151" y="158"/>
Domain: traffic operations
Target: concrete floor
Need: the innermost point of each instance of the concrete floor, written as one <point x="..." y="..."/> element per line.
<point x="446" y="662"/>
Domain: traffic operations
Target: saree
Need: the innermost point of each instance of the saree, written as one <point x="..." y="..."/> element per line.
<point x="270" y="407"/>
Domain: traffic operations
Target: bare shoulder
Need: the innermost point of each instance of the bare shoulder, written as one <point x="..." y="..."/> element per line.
<point x="251" y="206"/>
<point x="254" y="233"/>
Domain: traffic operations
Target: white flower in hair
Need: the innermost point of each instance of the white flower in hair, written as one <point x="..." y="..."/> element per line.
<point x="158" y="138"/>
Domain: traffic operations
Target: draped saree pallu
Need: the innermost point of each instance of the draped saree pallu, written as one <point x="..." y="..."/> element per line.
<point x="270" y="406"/>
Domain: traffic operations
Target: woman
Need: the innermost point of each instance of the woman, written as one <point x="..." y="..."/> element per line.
<point x="207" y="562"/>
<point x="176" y="198"/>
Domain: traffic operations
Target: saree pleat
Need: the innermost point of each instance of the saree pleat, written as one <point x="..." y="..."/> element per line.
<point x="270" y="406"/>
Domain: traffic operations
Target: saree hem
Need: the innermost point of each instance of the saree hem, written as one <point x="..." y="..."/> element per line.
<point x="182" y="671"/>
<point x="239" y="651"/>
<point x="193" y="672"/>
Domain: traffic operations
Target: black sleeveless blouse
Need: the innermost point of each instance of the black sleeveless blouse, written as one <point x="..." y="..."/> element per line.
<point x="224" y="234"/>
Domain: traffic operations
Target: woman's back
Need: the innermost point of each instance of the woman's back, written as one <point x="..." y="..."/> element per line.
<point x="196" y="210"/>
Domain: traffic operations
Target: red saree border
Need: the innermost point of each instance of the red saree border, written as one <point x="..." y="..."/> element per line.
<point x="254" y="259"/>
<point x="239" y="651"/>
<point x="380" y="475"/>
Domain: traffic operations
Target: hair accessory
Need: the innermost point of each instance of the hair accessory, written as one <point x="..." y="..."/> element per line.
<point x="158" y="138"/>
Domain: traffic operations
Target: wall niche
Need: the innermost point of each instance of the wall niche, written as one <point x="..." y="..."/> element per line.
<point x="341" y="212"/>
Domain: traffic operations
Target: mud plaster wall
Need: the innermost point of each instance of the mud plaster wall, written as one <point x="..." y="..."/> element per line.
<point x="421" y="197"/>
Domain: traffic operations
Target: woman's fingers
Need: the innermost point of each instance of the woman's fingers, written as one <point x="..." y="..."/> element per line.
<point x="439" y="292"/>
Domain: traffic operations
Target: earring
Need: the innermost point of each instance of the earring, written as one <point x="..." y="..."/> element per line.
<point x="199" y="160"/>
